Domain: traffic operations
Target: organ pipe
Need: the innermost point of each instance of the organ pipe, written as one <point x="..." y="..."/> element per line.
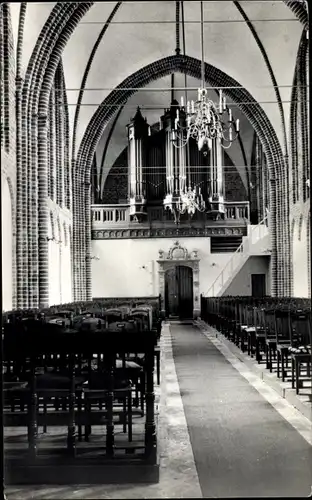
<point x="137" y="136"/>
<point x="216" y="198"/>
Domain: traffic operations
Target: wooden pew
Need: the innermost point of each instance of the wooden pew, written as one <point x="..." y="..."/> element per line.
<point x="79" y="403"/>
<point x="279" y="327"/>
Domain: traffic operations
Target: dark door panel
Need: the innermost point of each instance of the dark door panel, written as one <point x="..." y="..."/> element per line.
<point x="185" y="280"/>
<point x="258" y="285"/>
<point x="172" y="293"/>
<point x="179" y="292"/>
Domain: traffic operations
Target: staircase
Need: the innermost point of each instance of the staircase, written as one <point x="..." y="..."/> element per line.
<point x="256" y="243"/>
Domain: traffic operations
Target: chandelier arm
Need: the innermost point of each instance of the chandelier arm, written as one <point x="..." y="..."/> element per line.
<point x="226" y="146"/>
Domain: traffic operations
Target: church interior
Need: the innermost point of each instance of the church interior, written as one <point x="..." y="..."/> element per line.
<point x="155" y="230"/>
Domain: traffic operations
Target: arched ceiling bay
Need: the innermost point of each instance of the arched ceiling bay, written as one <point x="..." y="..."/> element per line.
<point x="15" y="10"/>
<point x="37" y="13"/>
<point x="142" y="32"/>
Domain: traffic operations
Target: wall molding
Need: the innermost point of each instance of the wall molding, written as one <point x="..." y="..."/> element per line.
<point x="187" y="232"/>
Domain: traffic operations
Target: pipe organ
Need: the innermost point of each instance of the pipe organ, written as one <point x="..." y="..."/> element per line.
<point x="158" y="171"/>
<point x="176" y="178"/>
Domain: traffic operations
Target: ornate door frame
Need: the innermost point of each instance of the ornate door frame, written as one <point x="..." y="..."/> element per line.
<point x="179" y="256"/>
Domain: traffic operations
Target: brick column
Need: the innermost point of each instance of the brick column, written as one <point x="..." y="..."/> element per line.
<point x="280" y="194"/>
<point x="286" y="291"/>
<point x="82" y="235"/>
<point x="24" y="138"/>
<point x="20" y="188"/>
<point x="259" y="179"/>
<point x="75" y="232"/>
<point x="43" y="211"/>
<point x="67" y="171"/>
<point x="33" y="277"/>
<point x="272" y="228"/>
<point x="88" y="274"/>
<point x="52" y="159"/>
<point x="60" y="147"/>
<point x="78" y="234"/>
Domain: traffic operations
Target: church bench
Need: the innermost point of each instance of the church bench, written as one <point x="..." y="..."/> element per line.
<point x="43" y="339"/>
<point x="266" y="325"/>
<point x="293" y="331"/>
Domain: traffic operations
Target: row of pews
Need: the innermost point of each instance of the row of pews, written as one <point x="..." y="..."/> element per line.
<point x="274" y="331"/>
<point x="79" y="392"/>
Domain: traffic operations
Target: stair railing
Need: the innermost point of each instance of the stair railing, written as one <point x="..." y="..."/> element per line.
<point x="241" y="250"/>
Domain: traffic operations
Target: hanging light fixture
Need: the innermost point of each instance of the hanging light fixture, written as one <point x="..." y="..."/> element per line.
<point x="181" y="197"/>
<point x="203" y="120"/>
<point x="191" y="200"/>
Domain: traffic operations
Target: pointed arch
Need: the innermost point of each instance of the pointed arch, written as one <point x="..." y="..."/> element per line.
<point x="253" y="111"/>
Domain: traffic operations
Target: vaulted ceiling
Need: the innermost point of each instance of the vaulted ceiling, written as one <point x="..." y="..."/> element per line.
<point x="254" y="42"/>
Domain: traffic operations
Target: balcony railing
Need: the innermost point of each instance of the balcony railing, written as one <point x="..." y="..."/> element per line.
<point x="109" y="215"/>
<point x="238" y="210"/>
<point x="112" y="216"/>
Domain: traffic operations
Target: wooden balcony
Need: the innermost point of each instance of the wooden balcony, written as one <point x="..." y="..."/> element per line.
<point x="113" y="221"/>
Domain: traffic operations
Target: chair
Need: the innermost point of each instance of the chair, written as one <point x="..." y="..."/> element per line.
<point x="270" y="337"/>
<point x="300" y="350"/>
<point x="260" y="336"/>
<point x="246" y="326"/>
<point x="283" y="340"/>
<point x="112" y="315"/>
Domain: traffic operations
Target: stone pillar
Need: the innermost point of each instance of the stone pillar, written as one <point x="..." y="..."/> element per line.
<point x="75" y="233"/>
<point x="33" y="277"/>
<point x="52" y="145"/>
<point x="88" y="241"/>
<point x="20" y="202"/>
<point x="43" y="211"/>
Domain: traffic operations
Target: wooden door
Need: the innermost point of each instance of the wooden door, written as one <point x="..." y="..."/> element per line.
<point x="171" y="293"/>
<point x="179" y="292"/>
<point x="258" y="285"/>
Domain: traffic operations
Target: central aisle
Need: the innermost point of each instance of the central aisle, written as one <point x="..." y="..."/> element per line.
<point x="242" y="446"/>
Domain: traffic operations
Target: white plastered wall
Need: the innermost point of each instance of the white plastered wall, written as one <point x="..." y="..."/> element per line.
<point x="300" y="261"/>
<point x="129" y="268"/>
<point x="60" y="269"/>
<point x="7" y="245"/>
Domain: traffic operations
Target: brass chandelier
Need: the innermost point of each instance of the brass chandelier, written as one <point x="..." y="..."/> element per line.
<point x="203" y="120"/>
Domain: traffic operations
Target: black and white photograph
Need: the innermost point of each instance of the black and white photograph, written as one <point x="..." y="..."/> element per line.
<point x="155" y="249"/>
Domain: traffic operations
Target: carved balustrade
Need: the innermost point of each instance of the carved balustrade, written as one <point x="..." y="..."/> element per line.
<point x="116" y="222"/>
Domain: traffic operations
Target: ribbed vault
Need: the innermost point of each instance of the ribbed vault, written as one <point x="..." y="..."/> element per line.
<point x="95" y="56"/>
